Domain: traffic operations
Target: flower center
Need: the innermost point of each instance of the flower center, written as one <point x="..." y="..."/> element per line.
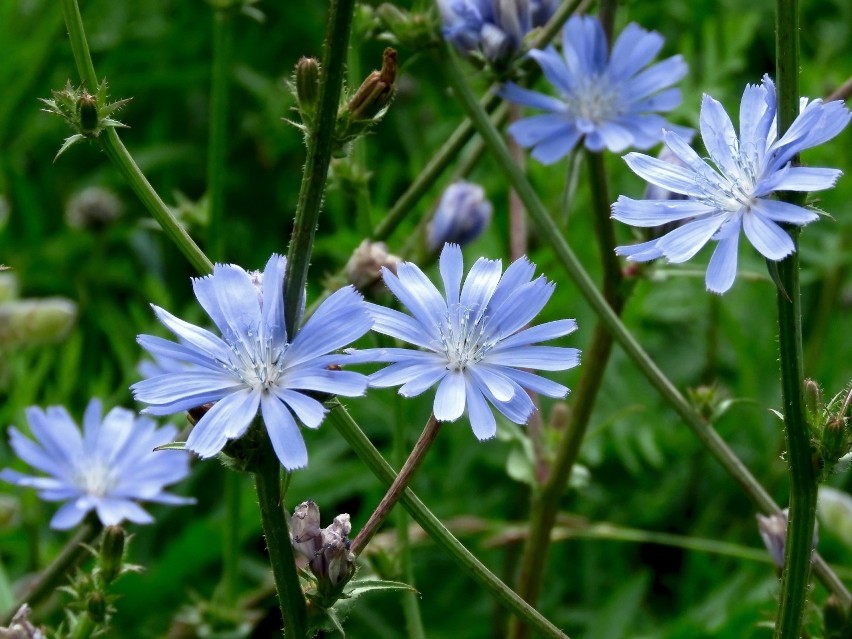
<point x="257" y="361"/>
<point x="463" y="339"/>
<point x="594" y="98"/>
<point x="95" y="478"/>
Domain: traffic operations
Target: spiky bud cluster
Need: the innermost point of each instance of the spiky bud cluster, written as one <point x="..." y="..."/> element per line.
<point x="831" y="431"/>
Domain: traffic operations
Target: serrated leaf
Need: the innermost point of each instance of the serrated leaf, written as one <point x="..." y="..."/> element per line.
<point x="359" y="587"/>
<point x="69" y="142"/>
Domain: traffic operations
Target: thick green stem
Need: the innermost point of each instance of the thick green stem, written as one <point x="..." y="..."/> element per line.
<point x="56" y="573"/>
<point x="373" y="459"/>
<point x="803" y="477"/>
<point x="410" y="600"/>
<point x="115" y="150"/>
<point x="406" y="474"/>
<point x="545" y="506"/>
<point x="218" y="137"/>
<point x="320" y="145"/>
<point x="290" y="597"/>
<point x="549" y="232"/>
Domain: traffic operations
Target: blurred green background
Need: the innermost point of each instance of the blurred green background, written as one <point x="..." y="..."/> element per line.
<point x="646" y="471"/>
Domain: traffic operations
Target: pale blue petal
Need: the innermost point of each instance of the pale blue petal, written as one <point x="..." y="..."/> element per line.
<point x="175" y="392"/>
<point x="451" y="265"/>
<point x="535" y="383"/>
<point x="340" y="320"/>
<point x="546" y="358"/>
<point x="287" y="440"/>
<point x="481" y="418"/>
<point x="56" y="432"/>
<point x="227" y="419"/>
<point x="799" y="178"/>
<point x="113" y="511"/>
<point x="634" y="49"/>
<point x="642" y="252"/>
<point x="449" y="398"/>
<point x="273" y="298"/>
<point x="518" y="409"/>
<point x="513" y="93"/>
<point x="390" y="322"/>
<point x="648" y="213"/>
<point x="538" y="128"/>
<point x="402" y="372"/>
<point x="202" y="339"/>
<point x="556" y="148"/>
<point x="419" y="296"/>
<point x="719" y="136"/>
<point x="519" y="310"/>
<point x="722" y="269"/>
<point x="615" y="137"/>
<point x="163" y="348"/>
<point x="706" y="177"/>
<point x="423" y="382"/>
<point x="663" y="101"/>
<point x="685" y="241"/>
<point x="767" y="237"/>
<point x="554" y="69"/>
<point x="519" y="273"/>
<point x="53" y="462"/>
<point x="779" y="211"/>
<point x="756" y="114"/>
<point x="479" y="285"/>
<point x="91" y="421"/>
<point x="231" y="301"/>
<point x="492" y="378"/>
<point x="344" y="383"/>
<point x="663" y="174"/>
<point x="540" y="333"/>
<point x="309" y="411"/>
<point x="68" y="516"/>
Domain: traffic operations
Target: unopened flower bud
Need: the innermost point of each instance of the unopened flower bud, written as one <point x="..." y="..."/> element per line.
<point x="330" y="560"/>
<point x="20" y="626"/>
<point x="813" y="400"/>
<point x="96" y="606"/>
<point x="307" y="85"/>
<point x="87" y="111"/>
<point x="26" y="322"/>
<point x="364" y="268"/>
<point x="773" y="531"/>
<point x="93" y="207"/>
<point x="376" y="92"/>
<point x="305" y="532"/>
<point x="463" y="214"/>
<point x="111" y="556"/>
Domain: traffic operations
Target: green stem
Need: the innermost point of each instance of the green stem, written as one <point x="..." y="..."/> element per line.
<point x="359" y="442"/>
<point x="290" y="597"/>
<point x="545" y="506"/>
<point x="119" y="155"/>
<point x="229" y="586"/>
<point x="217" y="137"/>
<point x="399" y="485"/>
<point x="84" y="626"/>
<point x="803" y="477"/>
<point x="320" y="145"/>
<point x="53" y="575"/>
<point x="549" y="232"/>
<point x="410" y="600"/>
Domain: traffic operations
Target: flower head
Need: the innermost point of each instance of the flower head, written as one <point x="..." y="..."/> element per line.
<point x="253" y="367"/>
<point x="463" y="213"/>
<point x="327" y="549"/>
<point x="607" y="100"/>
<point x="736" y="194"/>
<point x="473" y="341"/>
<point x="107" y="469"/>
<point x="492" y="28"/>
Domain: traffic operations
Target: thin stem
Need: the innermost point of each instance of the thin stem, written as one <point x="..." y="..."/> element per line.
<point x="54" y="574"/>
<point x="545" y="505"/>
<point x="803" y="477"/>
<point x="218" y="134"/>
<point x="549" y="232"/>
<point x="290" y="597"/>
<point x="320" y="144"/>
<point x="410" y="600"/>
<point x="229" y="586"/>
<point x="399" y="485"/>
<point x="373" y="459"/>
<point x="119" y="155"/>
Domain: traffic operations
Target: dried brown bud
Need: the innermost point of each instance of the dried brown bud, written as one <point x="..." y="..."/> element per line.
<point x="376" y="92"/>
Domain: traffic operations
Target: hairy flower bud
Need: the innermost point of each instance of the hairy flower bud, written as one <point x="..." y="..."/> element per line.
<point x="87" y="111"/>
<point x="111" y="556"/>
<point x="25" y="322"/>
<point x="364" y="268"/>
<point x="307" y="87"/>
<point x="462" y="215"/>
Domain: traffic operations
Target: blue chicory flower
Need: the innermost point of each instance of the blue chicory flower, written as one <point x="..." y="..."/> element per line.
<point x="463" y="213"/>
<point x="735" y="195"/>
<point x="253" y="366"/>
<point x="494" y="28"/>
<point x="608" y="101"/>
<point x="475" y="347"/>
<point x="107" y="469"/>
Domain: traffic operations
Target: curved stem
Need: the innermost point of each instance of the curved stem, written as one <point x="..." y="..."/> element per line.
<point x="803" y="477"/>
<point x="217" y="137"/>
<point x="119" y="155"/>
<point x="320" y="144"/>
<point x="290" y="597"/>
<point x="373" y="459"/>
<point x="52" y="576"/>
<point x="549" y="232"/>
<point x="545" y="506"/>
<point x="399" y="485"/>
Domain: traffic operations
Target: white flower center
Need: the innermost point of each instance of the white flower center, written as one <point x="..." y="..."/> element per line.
<point x="95" y="478"/>
<point x="594" y="98"/>
<point x="257" y="361"/>
<point x="463" y="339"/>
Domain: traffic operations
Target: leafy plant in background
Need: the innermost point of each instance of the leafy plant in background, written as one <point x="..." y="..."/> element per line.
<point x="277" y="361"/>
